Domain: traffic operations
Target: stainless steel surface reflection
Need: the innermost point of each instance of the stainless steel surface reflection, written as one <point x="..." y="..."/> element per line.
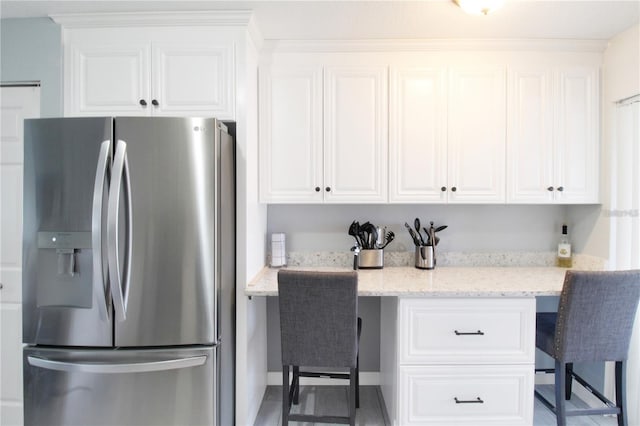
<point x="158" y="387"/>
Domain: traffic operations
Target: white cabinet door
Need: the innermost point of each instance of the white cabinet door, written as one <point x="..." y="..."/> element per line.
<point x="530" y="177"/>
<point x="577" y="135"/>
<point x="176" y="71"/>
<point x="108" y="79"/>
<point x="193" y="79"/>
<point x="417" y="135"/>
<point x="16" y="104"/>
<point x="477" y="137"/>
<point x="466" y="395"/>
<point x="291" y="135"/>
<point x="467" y="331"/>
<point x="553" y="135"/>
<point x="355" y="134"/>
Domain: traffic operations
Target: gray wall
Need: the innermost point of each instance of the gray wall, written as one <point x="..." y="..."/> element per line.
<point x="481" y="228"/>
<point x="31" y="50"/>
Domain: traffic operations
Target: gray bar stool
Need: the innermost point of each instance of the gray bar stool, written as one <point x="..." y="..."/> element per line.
<point x="319" y="327"/>
<point x="593" y="324"/>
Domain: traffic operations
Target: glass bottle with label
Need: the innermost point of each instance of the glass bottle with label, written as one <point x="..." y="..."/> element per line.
<point x="564" y="259"/>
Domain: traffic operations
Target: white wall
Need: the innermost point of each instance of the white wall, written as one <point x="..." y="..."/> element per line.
<point x="621" y="80"/>
<point x="251" y="344"/>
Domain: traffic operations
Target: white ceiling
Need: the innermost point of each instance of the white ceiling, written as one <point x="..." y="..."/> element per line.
<point x="346" y="19"/>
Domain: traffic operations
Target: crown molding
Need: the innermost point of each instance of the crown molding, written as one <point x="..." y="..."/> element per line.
<point x="228" y="18"/>
<point x="433" y="45"/>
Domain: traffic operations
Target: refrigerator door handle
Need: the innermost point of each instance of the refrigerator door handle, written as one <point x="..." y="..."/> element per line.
<point x="99" y="280"/>
<point x="119" y="282"/>
<point x="117" y="368"/>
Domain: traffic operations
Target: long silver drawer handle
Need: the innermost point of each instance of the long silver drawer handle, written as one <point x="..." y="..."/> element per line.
<point x="104" y="158"/>
<point x="136" y="367"/>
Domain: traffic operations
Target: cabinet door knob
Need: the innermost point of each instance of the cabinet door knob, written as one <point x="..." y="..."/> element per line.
<point x="317" y="189"/>
<point x="561" y="188"/>
<point x="550" y="188"/>
<point x="454" y="189"/>
<point x="143" y="102"/>
<point x="1" y="286"/>
<point x="328" y="189"/>
<point x="443" y="189"/>
<point x="154" y="102"/>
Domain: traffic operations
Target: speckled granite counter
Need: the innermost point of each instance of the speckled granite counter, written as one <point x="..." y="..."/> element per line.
<point x="441" y="282"/>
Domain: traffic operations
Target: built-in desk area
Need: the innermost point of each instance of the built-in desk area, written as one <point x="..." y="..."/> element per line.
<point x="457" y="344"/>
<point x="439" y="282"/>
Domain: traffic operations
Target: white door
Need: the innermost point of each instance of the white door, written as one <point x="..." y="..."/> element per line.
<point x="476" y="129"/>
<point x="108" y="79"/>
<point x="16" y="104"/>
<point x="530" y="154"/>
<point x="417" y="135"/>
<point x="291" y="135"/>
<point x="193" y="79"/>
<point x="577" y="135"/>
<point x="355" y="134"/>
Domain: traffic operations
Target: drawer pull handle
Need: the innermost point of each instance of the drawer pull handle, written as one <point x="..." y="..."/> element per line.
<point x="469" y="401"/>
<point x="473" y="333"/>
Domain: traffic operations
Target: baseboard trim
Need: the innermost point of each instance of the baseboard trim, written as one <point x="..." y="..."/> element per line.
<point x="367" y="378"/>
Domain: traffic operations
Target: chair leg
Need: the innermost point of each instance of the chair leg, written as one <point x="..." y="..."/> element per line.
<point x="569" y="381"/>
<point x="285" y="395"/>
<point x="560" y="374"/>
<point x="352" y="396"/>
<point x="621" y="387"/>
<point x="296" y="384"/>
<point x="358" y="381"/>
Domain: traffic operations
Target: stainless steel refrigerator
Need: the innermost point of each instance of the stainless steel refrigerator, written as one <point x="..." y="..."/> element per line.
<point x="128" y="271"/>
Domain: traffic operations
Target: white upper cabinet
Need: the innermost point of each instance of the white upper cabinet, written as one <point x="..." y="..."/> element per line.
<point x="427" y="123"/>
<point x="476" y="134"/>
<point x="553" y="149"/>
<point x="355" y="134"/>
<point x="142" y="71"/>
<point x="576" y="173"/>
<point x="530" y="145"/>
<point x="323" y="134"/>
<point x="417" y="134"/>
<point x="447" y="135"/>
<point x="106" y="78"/>
<point x="291" y="135"/>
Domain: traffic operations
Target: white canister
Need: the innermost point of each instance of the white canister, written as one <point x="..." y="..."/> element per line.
<point x="278" y="250"/>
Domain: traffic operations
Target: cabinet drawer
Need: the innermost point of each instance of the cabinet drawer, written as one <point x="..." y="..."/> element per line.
<point x="467" y="331"/>
<point x="486" y="395"/>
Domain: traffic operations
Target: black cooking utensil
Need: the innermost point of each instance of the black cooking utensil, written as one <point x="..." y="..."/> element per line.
<point x="390" y="236"/>
<point x="353" y="231"/>
<point x="416" y="225"/>
<point x="416" y="241"/>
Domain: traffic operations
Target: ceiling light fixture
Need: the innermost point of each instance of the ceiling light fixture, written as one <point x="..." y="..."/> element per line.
<point x="479" y="7"/>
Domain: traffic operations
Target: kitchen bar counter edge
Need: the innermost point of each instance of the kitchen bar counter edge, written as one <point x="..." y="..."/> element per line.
<point x="439" y="282"/>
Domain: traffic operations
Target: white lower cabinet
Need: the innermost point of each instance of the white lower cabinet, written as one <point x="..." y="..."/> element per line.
<point x="462" y="361"/>
<point x="466" y="395"/>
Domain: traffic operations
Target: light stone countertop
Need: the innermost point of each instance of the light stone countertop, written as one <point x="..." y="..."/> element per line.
<point x="445" y="281"/>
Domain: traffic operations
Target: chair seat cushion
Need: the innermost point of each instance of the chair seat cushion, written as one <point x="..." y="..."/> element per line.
<point x="546" y="331"/>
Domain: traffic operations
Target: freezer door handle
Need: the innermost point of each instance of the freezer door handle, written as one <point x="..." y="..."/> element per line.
<point x="115" y="368"/>
<point x="99" y="280"/>
<point x="119" y="281"/>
